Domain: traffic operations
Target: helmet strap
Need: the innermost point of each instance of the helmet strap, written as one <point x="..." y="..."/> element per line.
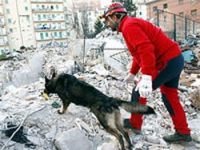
<point x="116" y="24"/>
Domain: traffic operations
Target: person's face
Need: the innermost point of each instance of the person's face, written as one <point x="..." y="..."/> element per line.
<point x="111" y="22"/>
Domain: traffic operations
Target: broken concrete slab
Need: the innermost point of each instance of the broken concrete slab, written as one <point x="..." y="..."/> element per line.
<point x="73" y="139"/>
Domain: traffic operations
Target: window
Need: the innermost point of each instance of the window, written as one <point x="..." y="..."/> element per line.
<point x="57" y="7"/>
<point x="53" y="16"/>
<point x="180" y="1"/>
<point x="66" y="17"/>
<point x="41" y="36"/>
<point x="60" y="34"/>
<point x="26" y="8"/>
<point x="6" y="1"/>
<point x="55" y="34"/>
<point x="9" y="20"/>
<point x="155" y="8"/>
<point x="194" y="12"/>
<point x="8" y="11"/>
<point x="44" y="16"/>
<point x="28" y="18"/>
<point x="11" y="30"/>
<point x="39" y="17"/>
<point x="165" y="6"/>
<point x="47" y="34"/>
<point x="165" y="18"/>
<point x="181" y="14"/>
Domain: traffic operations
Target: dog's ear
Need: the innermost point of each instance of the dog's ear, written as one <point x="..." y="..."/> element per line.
<point x="53" y="75"/>
<point x="53" y="72"/>
<point x="46" y="79"/>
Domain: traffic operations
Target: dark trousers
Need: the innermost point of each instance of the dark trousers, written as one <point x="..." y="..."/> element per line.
<point x="167" y="80"/>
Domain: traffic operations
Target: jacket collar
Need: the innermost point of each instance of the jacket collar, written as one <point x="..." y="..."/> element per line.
<point x="121" y="23"/>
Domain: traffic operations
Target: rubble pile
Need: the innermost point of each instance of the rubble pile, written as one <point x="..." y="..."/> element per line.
<point x="191" y="52"/>
<point x="22" y="105"/>
<point x="195" y="98"/>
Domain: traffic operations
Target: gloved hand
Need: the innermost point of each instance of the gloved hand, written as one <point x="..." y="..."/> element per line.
<point x="129" y="78"/>
<point x="144" y="86"/>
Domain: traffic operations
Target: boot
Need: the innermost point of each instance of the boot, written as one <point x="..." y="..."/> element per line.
<point x="127" y="125"/>
<point x="177" y="137"/>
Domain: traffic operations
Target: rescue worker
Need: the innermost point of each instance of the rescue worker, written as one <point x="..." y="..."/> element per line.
<point x="160" y="62"/>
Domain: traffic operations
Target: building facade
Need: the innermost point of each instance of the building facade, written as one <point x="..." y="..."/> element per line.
<point x="3" y="33"/>
<point x="19" y="24"/>
<point x="49" y="22"/>
<point x="83" y="16"/>
<point x="36" y="23"/>
<point x="185" y="8"/>
<point x="141" y="8"/>
<point x="178" y="18"/>
<point x="86" y="4"/>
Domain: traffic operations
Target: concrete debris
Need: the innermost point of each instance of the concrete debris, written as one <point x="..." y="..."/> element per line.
<point x="154" y="146"/>
<point x="196" y="138"/>
<point x="100" y="70"/>
<point x="109" y="146"/>
<point x="153" y="139"/>
<point x="22" y="81"/>
<point x="196" y="83"/>
<point x="83" y="126"/>
<point x="195" y="98"/>
<point x="73" y="139"/>
<point x="197" y="146"/>
<point x="191" y="50"/>
<point x="176" y="147"/>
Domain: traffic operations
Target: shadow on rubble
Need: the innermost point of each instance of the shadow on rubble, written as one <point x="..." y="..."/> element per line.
<point x="19" y="136"/>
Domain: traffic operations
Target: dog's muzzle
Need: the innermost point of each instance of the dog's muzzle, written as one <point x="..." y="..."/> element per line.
<point x="45" y="95"/>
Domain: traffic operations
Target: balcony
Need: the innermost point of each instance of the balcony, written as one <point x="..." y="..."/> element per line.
<point x="2" y="32"/>
<point x="2" y="25"/>
<point x="4" y="44"/>
<point x="46" y="21"/>
<point x="46" y="11"/>
<point x="51" y="17"/>
<point x="47" y="1"/>
<point x="48" y="29"/>
<point x="57" y="39"/>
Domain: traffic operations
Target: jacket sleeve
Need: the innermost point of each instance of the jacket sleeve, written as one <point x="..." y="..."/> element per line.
<point x="143" y="49"/>
<point x="134" y="68"/>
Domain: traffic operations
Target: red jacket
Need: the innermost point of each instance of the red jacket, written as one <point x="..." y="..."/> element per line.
<point x="150" y="48"/>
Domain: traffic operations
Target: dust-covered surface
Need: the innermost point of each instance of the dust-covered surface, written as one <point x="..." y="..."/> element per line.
<point x="22" y="81"/>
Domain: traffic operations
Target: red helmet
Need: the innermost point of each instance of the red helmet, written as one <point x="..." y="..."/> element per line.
<point x="114" y="8"/>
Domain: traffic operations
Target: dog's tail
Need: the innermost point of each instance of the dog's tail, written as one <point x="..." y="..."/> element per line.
<point x="136" y="107"/>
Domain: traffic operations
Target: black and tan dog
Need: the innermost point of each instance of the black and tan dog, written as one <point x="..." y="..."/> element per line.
<point x="106" y="109"/>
